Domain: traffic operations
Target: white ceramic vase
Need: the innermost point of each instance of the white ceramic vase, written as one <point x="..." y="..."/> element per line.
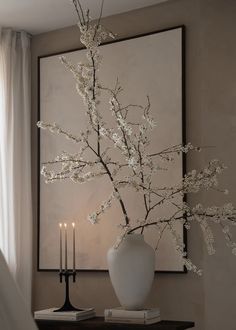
<point x="131" y="268"/>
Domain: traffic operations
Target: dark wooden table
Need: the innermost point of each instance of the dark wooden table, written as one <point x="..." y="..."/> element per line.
<point x="98" y="323"/>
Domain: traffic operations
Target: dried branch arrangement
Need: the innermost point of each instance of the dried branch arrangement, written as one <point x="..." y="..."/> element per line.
<point x="137" y="166"/>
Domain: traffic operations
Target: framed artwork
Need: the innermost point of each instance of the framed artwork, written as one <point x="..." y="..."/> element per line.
<point x="151" y="64"/>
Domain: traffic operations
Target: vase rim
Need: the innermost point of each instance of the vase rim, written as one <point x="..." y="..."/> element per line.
<point x="135" y="236"/>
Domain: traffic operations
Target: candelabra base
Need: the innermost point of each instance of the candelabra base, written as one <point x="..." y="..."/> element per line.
<point x="67" y="306"/>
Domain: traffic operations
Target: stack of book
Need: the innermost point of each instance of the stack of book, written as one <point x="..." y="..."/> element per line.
<point x="50" y="314"/>
<point x="120" y="315"/>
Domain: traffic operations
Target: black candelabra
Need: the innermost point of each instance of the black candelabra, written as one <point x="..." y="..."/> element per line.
<point x="67" y="306"/>
<point x="66" y="273"/>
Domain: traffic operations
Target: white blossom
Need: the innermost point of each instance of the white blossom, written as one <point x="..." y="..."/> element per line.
<point x="121" y="152"/>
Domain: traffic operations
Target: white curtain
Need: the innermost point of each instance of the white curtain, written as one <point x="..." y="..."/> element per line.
<point x="14" y="315"/>
<point x="15" y="158"/>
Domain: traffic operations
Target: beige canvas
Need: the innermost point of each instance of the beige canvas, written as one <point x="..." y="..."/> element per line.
<point x="149" y="65"/>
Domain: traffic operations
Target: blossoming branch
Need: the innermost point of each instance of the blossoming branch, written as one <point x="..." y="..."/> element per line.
<point x="136" y="166"/>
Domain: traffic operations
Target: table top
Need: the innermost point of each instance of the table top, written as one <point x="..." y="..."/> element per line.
<point x="99" y="323"/>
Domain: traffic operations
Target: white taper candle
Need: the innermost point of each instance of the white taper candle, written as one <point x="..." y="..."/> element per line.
<point x="73" y="225"/>
<point x="65" y="225"/>
<point x="60" y="226"/>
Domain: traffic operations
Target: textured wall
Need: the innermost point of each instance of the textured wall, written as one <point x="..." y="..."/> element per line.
<point x="211" y="120"/>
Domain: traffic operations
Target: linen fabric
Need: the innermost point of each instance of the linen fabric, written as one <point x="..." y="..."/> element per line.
<point x="15" y="158"/>
<point x="14" y="314"/>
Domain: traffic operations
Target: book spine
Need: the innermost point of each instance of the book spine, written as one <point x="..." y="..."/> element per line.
<point x="64" y="314"/>
<point x="75" y="314"/>
<point x="132" y="320"/>
<point x="153" y="320"/>
<point x="59" y="318"/>
<point x="131" y="314"/>
<point x="64" y="318"/>
<point x="123" y="320"/>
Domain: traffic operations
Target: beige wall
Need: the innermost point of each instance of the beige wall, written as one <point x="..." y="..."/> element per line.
<point x="211" y="120"/>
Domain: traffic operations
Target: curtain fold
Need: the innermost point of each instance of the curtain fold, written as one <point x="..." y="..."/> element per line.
<point x="15" y="157"/>
<point x="14" y="315"/>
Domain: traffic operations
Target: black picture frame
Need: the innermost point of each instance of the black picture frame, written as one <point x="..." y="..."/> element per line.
<point x="183" y="87"/>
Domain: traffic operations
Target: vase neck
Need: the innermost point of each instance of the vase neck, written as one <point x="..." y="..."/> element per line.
<point x="135" y="237"/>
